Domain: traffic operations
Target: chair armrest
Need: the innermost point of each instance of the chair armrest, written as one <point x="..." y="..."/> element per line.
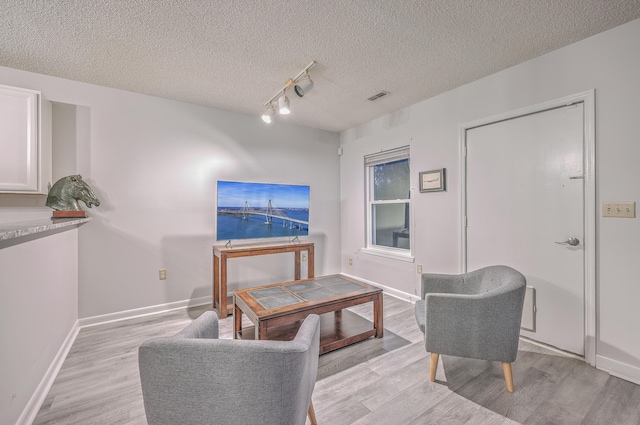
<point x="205" y="326"/>
<point x="308" y="336"/>
<point x="441" y="283"/>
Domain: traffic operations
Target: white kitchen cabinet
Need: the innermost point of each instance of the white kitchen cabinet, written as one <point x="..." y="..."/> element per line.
<point x="25" y="141"/>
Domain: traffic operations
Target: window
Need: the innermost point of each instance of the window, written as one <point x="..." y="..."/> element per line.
<point x="388" y="202"/>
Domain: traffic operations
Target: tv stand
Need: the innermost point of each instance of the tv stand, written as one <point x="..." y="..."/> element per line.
<point x="222" y="253"/>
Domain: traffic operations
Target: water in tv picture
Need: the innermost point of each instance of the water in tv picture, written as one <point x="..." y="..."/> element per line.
<point x="261" y="210"/>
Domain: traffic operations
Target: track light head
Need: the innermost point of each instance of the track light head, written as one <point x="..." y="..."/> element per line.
<point x="303" y="86"/>
<point x="268" y="114"/>
<point x="283" y="104"/>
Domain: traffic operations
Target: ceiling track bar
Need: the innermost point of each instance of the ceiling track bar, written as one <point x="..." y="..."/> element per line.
<point x="290" y="82"/>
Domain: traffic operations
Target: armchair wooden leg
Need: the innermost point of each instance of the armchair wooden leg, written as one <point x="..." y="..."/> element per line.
<point x="508" y="376"/>
<point x="312" y="414"/>
<point x="433" y="366"/>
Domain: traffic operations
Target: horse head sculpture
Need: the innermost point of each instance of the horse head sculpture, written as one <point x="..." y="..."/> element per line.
<point x="66" y="192"/>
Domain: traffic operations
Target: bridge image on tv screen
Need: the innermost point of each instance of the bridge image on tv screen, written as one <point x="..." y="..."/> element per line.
<point x="261" y="210"/>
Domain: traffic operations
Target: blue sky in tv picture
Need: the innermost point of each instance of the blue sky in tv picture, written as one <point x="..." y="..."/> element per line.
<point x="261" y="210"/>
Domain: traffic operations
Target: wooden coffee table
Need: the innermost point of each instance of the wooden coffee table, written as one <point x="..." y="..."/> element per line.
<point x="277" y="310"/>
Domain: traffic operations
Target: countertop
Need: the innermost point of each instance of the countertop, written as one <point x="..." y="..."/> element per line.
<point x="26" y="228"/>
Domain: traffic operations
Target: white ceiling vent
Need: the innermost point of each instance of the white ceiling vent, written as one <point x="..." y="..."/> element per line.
<point x="378" y="96"/>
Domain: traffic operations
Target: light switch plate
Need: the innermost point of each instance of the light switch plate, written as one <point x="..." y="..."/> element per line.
<point x="619" y="209"/>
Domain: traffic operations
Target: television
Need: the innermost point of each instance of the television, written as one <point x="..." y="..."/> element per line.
<point x="261" y="210"/>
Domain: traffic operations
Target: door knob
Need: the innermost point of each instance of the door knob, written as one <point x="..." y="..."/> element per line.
<point x="570" y="241"/>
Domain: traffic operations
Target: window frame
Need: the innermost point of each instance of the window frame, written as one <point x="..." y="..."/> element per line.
<point x="371" y="160"/>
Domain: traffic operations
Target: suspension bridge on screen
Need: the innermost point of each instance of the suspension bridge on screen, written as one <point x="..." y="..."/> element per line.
<point x="269" y="212"/>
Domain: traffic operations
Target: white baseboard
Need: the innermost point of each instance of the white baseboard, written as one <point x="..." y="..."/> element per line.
<point x="35" y="402"/>
<point x="405" y="296"/>
<point x="619" y="369"/>
<point x="144" y="311"/>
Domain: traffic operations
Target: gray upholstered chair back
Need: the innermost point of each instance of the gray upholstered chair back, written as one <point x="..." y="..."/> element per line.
<point x="196" y="378"/>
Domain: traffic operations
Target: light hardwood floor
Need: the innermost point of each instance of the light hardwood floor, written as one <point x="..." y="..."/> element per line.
<point x="373" y="382"/>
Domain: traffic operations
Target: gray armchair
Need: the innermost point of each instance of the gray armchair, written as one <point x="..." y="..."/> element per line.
<point x="475" y="315"/>
<point x="196" y="378"/>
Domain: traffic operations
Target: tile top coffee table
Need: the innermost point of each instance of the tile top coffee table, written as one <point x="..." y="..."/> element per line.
<point x="277" y="310"/>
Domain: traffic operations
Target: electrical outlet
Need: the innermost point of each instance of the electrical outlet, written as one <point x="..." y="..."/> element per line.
<point x="350" y="262"/>
<point x="419" y="268"/>
<point x="163" y="274"/>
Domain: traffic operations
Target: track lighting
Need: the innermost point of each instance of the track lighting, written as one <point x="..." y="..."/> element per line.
<point x="302" y="85"/>
<point x="283" y="104"/>
<point x="268" y="113"/>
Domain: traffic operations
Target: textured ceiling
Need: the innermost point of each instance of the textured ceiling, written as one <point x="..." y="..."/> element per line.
<point x="236" y="54"/>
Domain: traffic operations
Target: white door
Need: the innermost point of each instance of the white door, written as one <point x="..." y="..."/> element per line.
<point x="525" y="201"/>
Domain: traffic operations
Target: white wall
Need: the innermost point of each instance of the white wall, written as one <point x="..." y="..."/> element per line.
<point x="38" y="312"/>
<point x="154" y="164"/>
<point x="609" y="63"/>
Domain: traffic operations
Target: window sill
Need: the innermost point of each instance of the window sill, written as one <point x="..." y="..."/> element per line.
<point x="392" y="254"/>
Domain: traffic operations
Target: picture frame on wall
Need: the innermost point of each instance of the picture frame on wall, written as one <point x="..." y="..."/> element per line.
<point x="432" y="181"/>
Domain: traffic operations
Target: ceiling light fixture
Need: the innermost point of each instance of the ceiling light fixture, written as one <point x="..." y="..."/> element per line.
<point x="268" y="113"/>
<point x="302" y="85"/>
<point x="283" y="104"/>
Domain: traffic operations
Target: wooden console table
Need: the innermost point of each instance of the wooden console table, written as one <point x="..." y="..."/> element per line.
<point x="221" y="254"/>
